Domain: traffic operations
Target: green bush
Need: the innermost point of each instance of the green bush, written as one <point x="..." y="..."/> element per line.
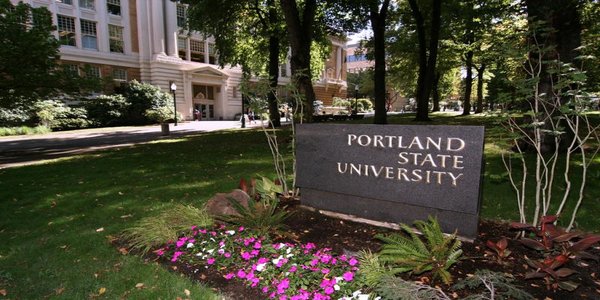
<point x="143" y="97"/>
<point x="410" y="254"/>
<point x="151" y="232"/>
<point x="23" y="130"/>
<point x="57" y="115"/>
<point x="107" y="110"/>
<point x="16" y="116"/>
<point x="364" y="104"/>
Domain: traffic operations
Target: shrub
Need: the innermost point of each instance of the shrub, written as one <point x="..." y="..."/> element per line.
<point x="152" y="232"/>
<point x="55" y="114"/>
<point x="437" y="254"/>
<point x="107" y="110"/>
<point x="142" y="97"/>
<point x="23" y="130"/>
<point x="16" y="116"/>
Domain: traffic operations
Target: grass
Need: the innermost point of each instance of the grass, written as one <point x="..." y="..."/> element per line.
<point x="57" y="218"/>
<point x="23" y="130"/>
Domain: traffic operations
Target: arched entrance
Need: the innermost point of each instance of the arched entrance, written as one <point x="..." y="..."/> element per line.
<point x="204" y="102"/>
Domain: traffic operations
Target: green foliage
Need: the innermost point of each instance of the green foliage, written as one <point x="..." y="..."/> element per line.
<point x="395" y="288"/>
<point x="263" y="216"/>
<point x="142" y="97"/>
<point x="57" y="115"/>
<point x="410" y="254"/>
<point x="16" y="116"/>
<point x="6" y="131"/>
<point x="372" y="270"/>
<point x="151" y="232"/>
<point x="498" y="286"/>
<point x="107" y="110"/>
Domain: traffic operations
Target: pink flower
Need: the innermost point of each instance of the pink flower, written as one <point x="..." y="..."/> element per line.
<point x="325" y="258"/>
<point x="227" y="254"/>
<point x="229" y="276"/>
<point x="265" y="289"/>
<point x="293" y="269"/>
<point x="213" y="233"/>
<point x="241" y="274"/>
<point x="281" y="262"/>
<point x="241" y="229"/>
<point x="257" y="245"/>
<point x="246" y="255"/>
<point x="160" y="252"/>
<point x="210" y="261"/>
<point x="329" y="290"/>
<point x="309" y="246"/>
<point x="255" y="252"/>
<point x="194" y="227"/>
<point x="263" y="260"/>
<point x="348" y="276"/>
<point x="203" y="231"/>
<point x="283" y="285"/>
<point x="352" y="261"/>
<point x="314" y="262"/>
<point x="181" y="242"/>
<point x="176" y="255"/>
<point x="325" y="271"/>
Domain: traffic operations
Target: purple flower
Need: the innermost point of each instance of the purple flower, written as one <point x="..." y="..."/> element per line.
<point x="329" y="290"/>
<point x="257" y="245"/>
<point x="352" y="261"/>
<point x="325" y="271"/>
<point x="210" y="261"/>
<point x="293" y="269"/>
<point x="348" y="276"/>
<point x="241" y="274"/>
<point x="176" y="256"/>
<point x="229" y="276"/>
<point x="181" y="242"/>
<point x="227" y="254"/>
<point x="241" y="229"/>
<point x="283" y="285"/>
<point x="246" y="255"/>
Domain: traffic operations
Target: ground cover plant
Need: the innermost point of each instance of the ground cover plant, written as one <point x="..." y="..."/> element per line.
<point x="75" y="207"/>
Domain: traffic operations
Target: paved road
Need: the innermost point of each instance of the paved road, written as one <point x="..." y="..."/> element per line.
<point x="22" y="150"/>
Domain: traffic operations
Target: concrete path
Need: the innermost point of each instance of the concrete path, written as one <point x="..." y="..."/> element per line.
<point x="29" y="149"/>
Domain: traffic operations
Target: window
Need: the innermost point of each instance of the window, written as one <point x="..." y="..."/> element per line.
<point x="119" y="74"/>
<point x="283" y="70"/>
<point x="181" y="15"/>
<point x="69" y="2"/>
<point x="182" y="47"/>
<point x="197" y="50"/>
<point x="92" y="71"/>
<point x="115" y="38"/>
<point x="207" y="92"/>
<point x="212" y="54"/>
<point x="71" y="69"/>
<point x="66" y="30"/>
<point x="89" y="4"/>
<point x="113" y="7"/>
<point x="89" y="39"/>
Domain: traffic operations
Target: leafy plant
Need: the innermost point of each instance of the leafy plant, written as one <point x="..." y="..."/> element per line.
<point x="395" y="288"/>
<point x="410" y="254"/>
<point x="500" y="249"/>
<point x="261" y="216"/>
<point x="107" y="110"/>
<point x="550" y="270"/>
<point x="497" y="286"/>
<point x="372" y="269"/>
<point x="152" y="232"/>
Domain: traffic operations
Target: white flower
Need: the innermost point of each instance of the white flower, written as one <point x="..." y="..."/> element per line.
<point x="230" y="232"/>
<point x="336" y="287"/>
<point x="288" y="250"/>
<point x="260" y="267"/>
<point x="221" y="251"/>
<point x="355" y="294"/>
<point x="363" y="297"/>
<point x="210" y="251"/>
<point x="190" y="245"/>
<point x="289" y="255"/>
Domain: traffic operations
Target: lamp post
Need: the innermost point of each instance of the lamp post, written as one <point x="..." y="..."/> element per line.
<point x="173" y="88"/>
<point x="243" y="110"/>
<point x="356" y="99"/>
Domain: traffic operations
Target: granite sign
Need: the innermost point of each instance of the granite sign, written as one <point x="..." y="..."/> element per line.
<point x="393" y="173"/>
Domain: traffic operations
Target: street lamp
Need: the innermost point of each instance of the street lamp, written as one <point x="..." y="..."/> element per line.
<point x="356" y="99"/>
<point x="173" y="88"/>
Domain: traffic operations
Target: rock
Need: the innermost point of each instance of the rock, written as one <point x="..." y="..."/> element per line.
<point x="219" y="204"/>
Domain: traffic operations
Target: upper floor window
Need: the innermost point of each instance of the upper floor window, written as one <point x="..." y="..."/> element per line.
<point x="92" y="71"/>
<point x="181" y="15"/>
<point x="182" y="47"/>
<point x="89" y="4"/>
<point x="283" y="70"/>
<point x="352" y="58"/>
<point x="69" y="2"/>
<point x="115" y="38"/>
<point x="66" y="30"/>
<point x="89" y="39"/>
<point x="197" y="50"/>
<point x="212" y="54"/>
<point x="113" y="7"/>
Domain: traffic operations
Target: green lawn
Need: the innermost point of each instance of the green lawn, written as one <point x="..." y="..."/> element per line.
<point x="57" y="219"/>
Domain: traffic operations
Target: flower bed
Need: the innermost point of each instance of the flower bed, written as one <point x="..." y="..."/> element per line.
<point x="278" y="270"/>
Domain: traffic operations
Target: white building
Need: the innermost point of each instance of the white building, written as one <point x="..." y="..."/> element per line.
<point x="140" y="39"/>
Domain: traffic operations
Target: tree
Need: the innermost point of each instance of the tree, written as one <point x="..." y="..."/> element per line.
<point x="300" y="22"/>
<point x="246" y="33"/>
<point x="427" y="54"/>
<point x="378" y="15"/>
<point x="29" y="56"/>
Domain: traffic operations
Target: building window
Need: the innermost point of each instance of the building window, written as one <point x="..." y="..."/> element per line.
<point x="113" y="7"/>
<point x="69" y="2"/>
<point x="182" y="47"/>
<point x="283" y="70"/>
<point x="89" y="39"/>
<point x="66" y="30"/>
<point x="92" y="71"/>
<point x="119" y="74"/>
<point x="88" y="4"/>
<point x="71" y="69"/>
<point x="197" y="50"/>
<point x="212" y="54"/>
<point x="181" y="15"/>
<point x="115" y="38"/>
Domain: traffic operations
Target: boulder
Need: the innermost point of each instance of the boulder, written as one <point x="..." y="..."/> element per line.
<point x="219" y="204"/>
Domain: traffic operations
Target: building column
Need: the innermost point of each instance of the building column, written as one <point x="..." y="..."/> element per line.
<point x="171" y="27"/>
<point x="158" y="27"/>
<point x="338" y="63"/>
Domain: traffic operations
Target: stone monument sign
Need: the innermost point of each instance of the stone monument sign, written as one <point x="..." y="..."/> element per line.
<point x="393" y="173"/>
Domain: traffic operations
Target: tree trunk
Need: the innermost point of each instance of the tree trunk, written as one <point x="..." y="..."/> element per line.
<point x="436" y="92"/>
<point x="479" y="107"/>
<point x="273" y="71"/>
<point x="300" y="30"/>
<point x="378" y="17"/>
<point x="468" y="84"/>
<point x="427" y="63"/>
